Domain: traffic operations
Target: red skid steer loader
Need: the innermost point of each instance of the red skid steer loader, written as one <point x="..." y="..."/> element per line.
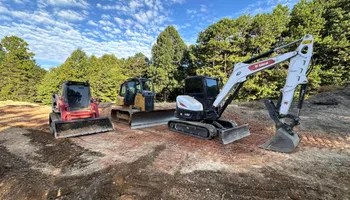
<point x="75" y="113"/>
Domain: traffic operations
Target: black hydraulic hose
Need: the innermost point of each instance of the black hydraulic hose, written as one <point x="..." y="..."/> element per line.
<point x="301" y="97"/>
<point x="230" y="98"/>
<point x="266" y="54"/>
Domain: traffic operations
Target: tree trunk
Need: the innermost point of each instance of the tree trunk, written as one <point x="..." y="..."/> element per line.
<point x="164" y="96"/>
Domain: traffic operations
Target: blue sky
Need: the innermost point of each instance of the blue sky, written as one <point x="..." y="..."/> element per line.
<point x="54" y="28"/>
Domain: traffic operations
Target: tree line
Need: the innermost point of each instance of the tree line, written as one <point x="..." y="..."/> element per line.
<point x="217" y="49"/>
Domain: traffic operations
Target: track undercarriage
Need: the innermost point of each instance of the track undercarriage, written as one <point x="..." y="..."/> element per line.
<point x="228" y="131"/>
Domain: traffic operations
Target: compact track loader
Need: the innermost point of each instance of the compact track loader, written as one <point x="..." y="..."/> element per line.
<point x="200" y="109"/>
<point x="136" y="105"/>
<point x="75" y="113"/>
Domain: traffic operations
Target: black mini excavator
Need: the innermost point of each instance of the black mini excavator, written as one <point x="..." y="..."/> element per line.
<point x="200" y="109"/>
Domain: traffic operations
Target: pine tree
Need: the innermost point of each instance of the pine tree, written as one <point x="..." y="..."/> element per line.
<point x="168" y="56"/>
<point x="18" y="70"/>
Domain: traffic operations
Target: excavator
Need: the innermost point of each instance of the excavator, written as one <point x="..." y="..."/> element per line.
<point x="75" y="113"/>
<point x="136" y="105"/>
<point x="199" y="110"/>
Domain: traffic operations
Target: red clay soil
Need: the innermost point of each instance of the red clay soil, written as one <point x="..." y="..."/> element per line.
<point x="154" y="163"/>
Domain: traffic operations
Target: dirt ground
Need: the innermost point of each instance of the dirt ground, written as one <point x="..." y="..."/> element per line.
<point x="154" y="163"/>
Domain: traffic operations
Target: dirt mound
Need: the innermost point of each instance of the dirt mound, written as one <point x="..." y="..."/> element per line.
<point x="335" y="97"/>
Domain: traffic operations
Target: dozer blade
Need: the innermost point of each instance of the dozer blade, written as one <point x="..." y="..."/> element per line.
<point x="64" y="129"/>
<point x="282" y="141"/>
<point x="151" y="118"/>
<point x="230" y="135"/>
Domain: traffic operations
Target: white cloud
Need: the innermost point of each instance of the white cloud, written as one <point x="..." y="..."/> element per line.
<point x="191" y="11"/>
<point x="63" y="3"/>
<point x="5" y="18"/>
<point x="92" y="23"/>
<point x="263" y="6"/>
<point x="106" y="23"/>
<point x="20" y="1"/>
<point x="69" y="15"/>
<point x="144" y="17"/>
<point x="134" y="5"/>
<point x="116" y="31"/>
<point x="203" y="8"/>
<point x="177" y="1"/>
<point x="119" y="21"/>
<point x="107" y="28"/>
<point x="105" y="17"/>
<point x="3" y="9"/>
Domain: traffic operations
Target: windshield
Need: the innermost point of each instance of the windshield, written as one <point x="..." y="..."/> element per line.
<point x="147" y="85"/>
<point x="78" y="97"/>
<point x="193" y="85"/>
<point x="212" y="87"/>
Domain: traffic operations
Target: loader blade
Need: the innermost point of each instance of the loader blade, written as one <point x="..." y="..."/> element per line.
<point x="230" y="135"/>
<point x="151" y="118"/>
<point x="64" y="129"/>
<point x="282" y="141"/>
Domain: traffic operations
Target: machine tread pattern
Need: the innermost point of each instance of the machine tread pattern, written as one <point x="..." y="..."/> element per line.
<point x="212" y="132"/>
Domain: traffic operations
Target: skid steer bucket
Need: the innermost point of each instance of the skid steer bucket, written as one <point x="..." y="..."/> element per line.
<point x="64" y="129"/>
<point x="282" y="141"/>
<point x="137" y="119"/>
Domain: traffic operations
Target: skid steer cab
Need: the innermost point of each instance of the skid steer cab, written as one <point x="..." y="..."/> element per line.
<point x="75" y="113"/>
<point x="136" y="105"/>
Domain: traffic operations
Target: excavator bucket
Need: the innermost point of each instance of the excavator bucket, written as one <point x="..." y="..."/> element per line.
<point x="64" y="129"/>
<point x="232" y="134"/>
<point x="282" y="141"/>
<point x="142" y="119"/>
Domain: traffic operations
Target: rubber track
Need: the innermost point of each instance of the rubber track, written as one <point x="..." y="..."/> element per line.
<point x="211" y="128"/>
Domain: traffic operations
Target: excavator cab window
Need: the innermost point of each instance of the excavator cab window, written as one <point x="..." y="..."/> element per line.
<point x="212" y="87"/>
<point x="194" y="85"/>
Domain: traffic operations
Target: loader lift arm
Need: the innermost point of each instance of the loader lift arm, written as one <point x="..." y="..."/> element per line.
<point x="285" y="139"/>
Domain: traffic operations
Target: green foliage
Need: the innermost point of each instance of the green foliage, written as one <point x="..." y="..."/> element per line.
<point x="135" y="66"/>
<point x="18" y="71"/>
<point x="104" y="75"/>
<point x="168" y="56"/>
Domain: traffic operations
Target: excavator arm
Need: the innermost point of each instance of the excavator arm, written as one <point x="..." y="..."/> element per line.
<point x="298" y="66"/>
<point x="299" y="61"/>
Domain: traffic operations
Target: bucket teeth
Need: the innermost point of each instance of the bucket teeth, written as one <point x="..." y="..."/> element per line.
<point x="283" y="141"/>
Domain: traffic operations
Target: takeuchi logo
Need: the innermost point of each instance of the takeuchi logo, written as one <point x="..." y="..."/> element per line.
<point x="260" y="65"/>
